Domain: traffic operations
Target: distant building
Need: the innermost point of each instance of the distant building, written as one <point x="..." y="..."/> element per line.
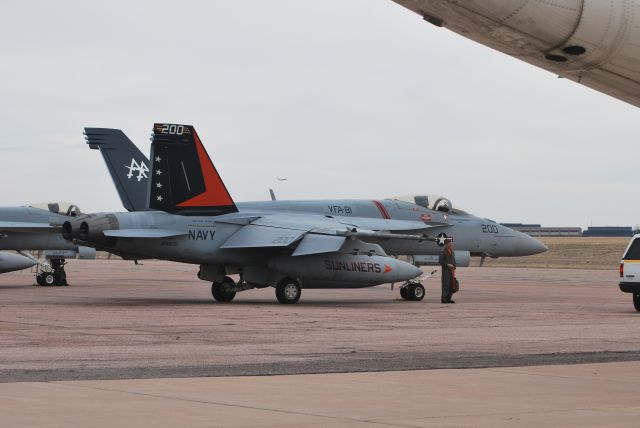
<point x="517" y="225"/>
<point x="609" y="231"/>
<point x="537" y="230"/>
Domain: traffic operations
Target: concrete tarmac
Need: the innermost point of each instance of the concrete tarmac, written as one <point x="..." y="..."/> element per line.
<point x="589" y="395"/>
<point x="146" y="346"/>
<point x="119" y="321"/>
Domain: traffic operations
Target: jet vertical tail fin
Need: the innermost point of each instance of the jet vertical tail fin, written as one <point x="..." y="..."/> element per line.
<point x="129" y="168"/>
<point x="183" y="178"/>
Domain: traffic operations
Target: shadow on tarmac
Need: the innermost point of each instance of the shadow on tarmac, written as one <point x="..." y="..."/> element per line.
<point x="155" y="301"/>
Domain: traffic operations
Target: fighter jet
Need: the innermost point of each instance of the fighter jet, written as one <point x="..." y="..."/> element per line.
<point x="592" y="42"/>
<point x="288" y="245"/>
<point x="38" y="227"/>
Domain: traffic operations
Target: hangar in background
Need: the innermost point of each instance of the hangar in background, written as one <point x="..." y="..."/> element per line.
<point x="538" y="230"/>
<point x="609" y="231"/>
<point x="592" y="231"/>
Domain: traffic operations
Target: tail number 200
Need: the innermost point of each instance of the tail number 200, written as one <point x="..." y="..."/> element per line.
<point x="490" y="228"/>
<point x="172" y="129"/>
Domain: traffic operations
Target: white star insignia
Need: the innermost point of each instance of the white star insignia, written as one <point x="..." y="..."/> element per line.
<point x="158" y="159"/>
<point x="158" y="172"/>
<point x="159" y="185"/>
<point x="442" y="239"/>
<point x="159" y="198"/>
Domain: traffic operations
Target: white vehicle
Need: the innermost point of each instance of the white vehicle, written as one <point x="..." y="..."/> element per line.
<point x="630" y="271"/>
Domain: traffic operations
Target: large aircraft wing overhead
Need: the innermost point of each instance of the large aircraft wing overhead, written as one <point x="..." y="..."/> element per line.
<point x="593" y="43"/>
<point x="143" y="233"/>
<point x="19" y="226"/>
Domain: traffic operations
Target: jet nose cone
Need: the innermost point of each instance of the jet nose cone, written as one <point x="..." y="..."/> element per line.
<point x="399" y="270"/>
<point x="539" y="247"/>
<point x="530" y="246"/>
<point x="417" y="271"/>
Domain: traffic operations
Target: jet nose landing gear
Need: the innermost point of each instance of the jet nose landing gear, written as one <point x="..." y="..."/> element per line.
<point x="52" y="273"/>
<point x="412" y="291"/>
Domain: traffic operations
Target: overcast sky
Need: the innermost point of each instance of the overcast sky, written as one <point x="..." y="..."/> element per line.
<point x="345" y="98"/>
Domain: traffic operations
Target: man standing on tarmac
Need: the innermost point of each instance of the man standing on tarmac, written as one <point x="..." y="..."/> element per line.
<point x="448" y="262"/>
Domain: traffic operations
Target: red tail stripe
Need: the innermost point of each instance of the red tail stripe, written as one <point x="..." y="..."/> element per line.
<point x="216" y="194"/>
<point x="382" y="209"/>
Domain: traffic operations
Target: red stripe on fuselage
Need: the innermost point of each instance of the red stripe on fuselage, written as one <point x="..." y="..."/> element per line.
<point x="383" y="211"/>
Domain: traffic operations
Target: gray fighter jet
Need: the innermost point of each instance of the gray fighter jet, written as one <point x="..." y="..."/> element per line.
<point x="38" y="227"/>
<point x="288" y="245"/>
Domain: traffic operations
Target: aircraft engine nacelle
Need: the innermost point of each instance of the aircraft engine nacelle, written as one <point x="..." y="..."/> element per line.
<point x="576" y="34"/>
<point x="359" y="270"/>
<point x="529" y="18"/>
<point x="89" y="228"/>
<point x="593" y="42"/>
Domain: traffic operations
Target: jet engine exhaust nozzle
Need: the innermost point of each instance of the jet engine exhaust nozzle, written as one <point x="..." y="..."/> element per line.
<point x="89" y="228"/>
<point x="71" y="228"/>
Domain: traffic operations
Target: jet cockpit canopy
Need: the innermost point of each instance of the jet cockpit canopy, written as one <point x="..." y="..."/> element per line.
<point x="64" y="208"/>
<point x="431" y="202"/>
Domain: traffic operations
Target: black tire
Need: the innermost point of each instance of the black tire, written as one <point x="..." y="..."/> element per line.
<point x="221" y="292"/>
<point x="49" y="279"/>
<point x="415" y="292"/>
<point x="39" y="279"/>
<point x="403" y="293"/>
<point x="636" y="301"/>
<point x="288" y="291"/>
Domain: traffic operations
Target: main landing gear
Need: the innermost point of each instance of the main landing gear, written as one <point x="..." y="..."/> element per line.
<point x="288" y="290"/>
<point x="224" y="291"/>
<point x="52" y="273"/>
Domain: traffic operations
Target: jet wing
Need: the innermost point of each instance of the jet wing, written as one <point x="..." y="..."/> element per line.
<point x="312" y="234"/>
<point x="314" y="222"/>
<point x="262" y="236"/>
<point x="318" y="244"/>
<point x="144" y="233"/>
<point x="19" y="226"/>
